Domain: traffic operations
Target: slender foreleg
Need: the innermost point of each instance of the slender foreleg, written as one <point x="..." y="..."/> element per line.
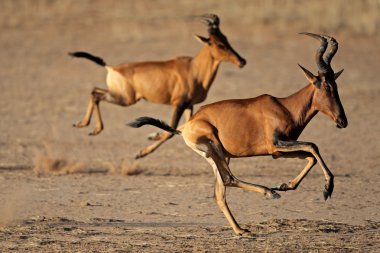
<point x="311" y="148"/>
<point x="176" y="116"/>
<point x="292" y="185"/>
<point x="188" y="112"/>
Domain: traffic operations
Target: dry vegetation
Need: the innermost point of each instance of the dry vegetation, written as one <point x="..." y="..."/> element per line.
<point x="47" y="162"/>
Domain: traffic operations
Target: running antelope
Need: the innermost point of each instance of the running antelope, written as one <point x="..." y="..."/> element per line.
<point x="264" y="125"/>
<point x="180" y="82"/>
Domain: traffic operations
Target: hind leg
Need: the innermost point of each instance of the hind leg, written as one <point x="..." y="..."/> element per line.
<point x="220" y="198"/>
<point x="201" y="136"/>
<point x="222" y="162"/>
<point x="201" y="139"/>
<point x="90" y="109"/>
<point x="98" y="95"/>
<point x="221" y="181"/>
<point x="87" y="117"/>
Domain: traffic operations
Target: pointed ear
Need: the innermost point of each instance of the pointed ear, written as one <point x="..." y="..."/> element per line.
<point x="202" y="39"/>
<point x="309" y="76"/>
<point x="337" y="74"/>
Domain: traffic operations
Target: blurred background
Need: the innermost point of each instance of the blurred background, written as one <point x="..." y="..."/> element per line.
<point x="44" y="91"/>
<point x="350" y="16"/>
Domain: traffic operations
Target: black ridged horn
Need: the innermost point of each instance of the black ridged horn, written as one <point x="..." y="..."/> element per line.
<point x="334" y="47"/>
<point x="212" y="21"/>
<point x="322" y="65"/>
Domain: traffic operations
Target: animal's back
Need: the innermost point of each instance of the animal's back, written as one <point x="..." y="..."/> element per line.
<point x="155" y="81"/>
<point x="243" y="126"/>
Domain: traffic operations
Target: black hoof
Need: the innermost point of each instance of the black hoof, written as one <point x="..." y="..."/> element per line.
<point x="79" y="125"/>
<point x="273" y="194"/>
<point x="95" y="132"/>
<point x="154" y="136"/>
<point x="282" y="187"/>
<point x="327" y="192"/>
<point x="137" y="156"/>
<point x="246" y="234"/>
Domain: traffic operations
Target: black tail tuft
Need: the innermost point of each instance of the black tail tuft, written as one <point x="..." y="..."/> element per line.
<point x="139" y="122"/>
<point x="90" y="57"/>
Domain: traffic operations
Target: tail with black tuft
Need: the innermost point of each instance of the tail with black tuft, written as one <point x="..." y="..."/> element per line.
<point x="139" y="122"/>
<point x="90" y="57"/>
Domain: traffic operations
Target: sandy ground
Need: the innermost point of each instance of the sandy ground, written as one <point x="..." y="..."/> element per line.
<point x="62" y="190"/>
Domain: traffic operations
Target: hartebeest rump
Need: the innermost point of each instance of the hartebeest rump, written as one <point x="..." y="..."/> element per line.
<point x="264" y="125"/>
<point x="180" y="82"/>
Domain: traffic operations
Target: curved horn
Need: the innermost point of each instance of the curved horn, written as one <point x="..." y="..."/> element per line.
<point x="334" y="47"/>
<point x="322" y="65"/>
<point x="211" y="20"/>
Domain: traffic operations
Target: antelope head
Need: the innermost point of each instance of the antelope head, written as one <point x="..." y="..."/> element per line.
<point x="221" y="49"/>
<point x="326" y="97"/>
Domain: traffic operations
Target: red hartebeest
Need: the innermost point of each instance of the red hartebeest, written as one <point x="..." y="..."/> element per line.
<point x="180" y="82"/>
<point x="264" y="125"/>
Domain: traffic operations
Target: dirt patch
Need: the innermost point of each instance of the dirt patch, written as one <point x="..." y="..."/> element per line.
<point x="108" y="235"/>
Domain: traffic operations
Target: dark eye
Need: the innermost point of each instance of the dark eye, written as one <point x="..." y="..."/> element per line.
<point x="221" y="46"/>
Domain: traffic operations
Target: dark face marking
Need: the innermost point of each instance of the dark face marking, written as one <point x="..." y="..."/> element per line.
<point x="222" y="50"/>
<point x="328" y="101"/>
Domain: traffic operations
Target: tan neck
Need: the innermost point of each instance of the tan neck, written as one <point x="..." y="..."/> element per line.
<point x="301" y="106"/>
<point x="204" y="68"/>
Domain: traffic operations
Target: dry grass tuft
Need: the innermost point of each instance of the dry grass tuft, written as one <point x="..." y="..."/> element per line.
<point x="49" y="160"/>
<point x="45" y="165"/>
<point x="125" y="168"/>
